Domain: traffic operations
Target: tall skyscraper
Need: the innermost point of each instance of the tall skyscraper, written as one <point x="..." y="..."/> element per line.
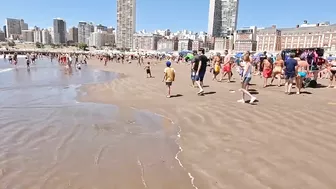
<point x="13" y="28"/>
<point x="73" y="35"/>
<point x="5" y="30"/>
<point x="59" y="31"/>
<point x="84" y="31"/>
<point x="125" y="23"/>
<point x="23" y="25"/>
<point x="223" y="15"/>
<point x="46" y="37"/>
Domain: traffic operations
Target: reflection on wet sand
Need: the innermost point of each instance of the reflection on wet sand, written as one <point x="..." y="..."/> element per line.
<point x="50" y="141"/>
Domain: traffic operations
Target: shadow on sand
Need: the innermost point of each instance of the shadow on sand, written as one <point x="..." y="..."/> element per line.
<point x="176" y="96"/>
<point x="207" y="93"/>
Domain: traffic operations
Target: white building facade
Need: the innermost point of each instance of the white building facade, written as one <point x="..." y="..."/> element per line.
<point x="101" y="38"/>
<point x="46" y="37"/>
<point x="85" y="29"/>
<point x="37" y="36"/>
<point x="145" y="41"/>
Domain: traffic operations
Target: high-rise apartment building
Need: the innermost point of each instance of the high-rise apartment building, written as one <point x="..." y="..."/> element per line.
<point x="100" y="27"/>
<point x="110" y="30"/>
<point x="46" y="37"/>
<point x="5" y="30"/>
<point x="59" y="31"/>
<point x="101" y="38"/>
<point x="73" y="35"/>
<point x="223" y="15"/>
<point x="2" y="36"/>
<point x="37" y="35"/>
<point x="125" y="23"/>
<point x="84" y="31"/>
<point x="28" y="35"/>
<point x="23" y="25"/>
<point x="13" y="28"/>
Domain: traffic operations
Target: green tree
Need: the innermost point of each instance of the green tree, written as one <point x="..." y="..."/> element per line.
<point x="82" y="46"/>
<point x="39" y="45"/>
<point x="11" y="43"/>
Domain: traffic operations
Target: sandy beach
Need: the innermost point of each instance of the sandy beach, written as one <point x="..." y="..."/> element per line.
<point x="281" y="142"/>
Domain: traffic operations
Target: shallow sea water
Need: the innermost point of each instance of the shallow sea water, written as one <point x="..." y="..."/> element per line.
<point x="49" y="140"/>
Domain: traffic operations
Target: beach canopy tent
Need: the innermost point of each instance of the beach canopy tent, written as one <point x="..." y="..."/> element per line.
<point x="331" y="58"/>
<point x="239" y="55"/>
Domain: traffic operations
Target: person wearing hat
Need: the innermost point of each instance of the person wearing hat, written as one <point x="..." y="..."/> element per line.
<point x="169" y="77"/>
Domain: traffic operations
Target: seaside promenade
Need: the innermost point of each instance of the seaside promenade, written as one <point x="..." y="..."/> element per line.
<point x="283" y="141"/>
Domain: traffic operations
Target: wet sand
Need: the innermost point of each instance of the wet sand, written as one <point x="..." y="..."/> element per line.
<point x="281" y="142"/>
<point x="49" y="140"/>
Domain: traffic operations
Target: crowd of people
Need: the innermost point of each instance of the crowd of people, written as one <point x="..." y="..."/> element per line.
<point x="296" y="69"/>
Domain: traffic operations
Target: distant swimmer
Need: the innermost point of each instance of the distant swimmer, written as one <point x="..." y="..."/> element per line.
<point x="78" y="66"/>
<point x="15" y="59"/>
<point x="28" y="62"/>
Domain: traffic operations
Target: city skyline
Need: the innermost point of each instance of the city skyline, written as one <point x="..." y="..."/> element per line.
<point x="105" y="13"/>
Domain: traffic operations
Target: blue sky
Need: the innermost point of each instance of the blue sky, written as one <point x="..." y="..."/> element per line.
<point x="173" y="14"/>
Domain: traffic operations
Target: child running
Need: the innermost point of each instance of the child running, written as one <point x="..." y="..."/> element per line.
<point x="247" y="75"/>
<point x="169" y="77"/>
<point x="148" y="70"/>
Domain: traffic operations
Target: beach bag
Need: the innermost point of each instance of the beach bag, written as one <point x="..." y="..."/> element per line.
<point x="308" y="82"/>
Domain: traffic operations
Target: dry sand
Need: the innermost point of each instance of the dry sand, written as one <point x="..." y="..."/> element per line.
<point x="281" y="142"/>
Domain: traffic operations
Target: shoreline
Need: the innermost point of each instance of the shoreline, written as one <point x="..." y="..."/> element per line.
<point x="220" y="138"/>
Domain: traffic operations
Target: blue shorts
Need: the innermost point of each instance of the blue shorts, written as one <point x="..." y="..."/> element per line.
<point x="247" y="80"/>
<point x="200" y="76"/>
<point x="290" y="75"/>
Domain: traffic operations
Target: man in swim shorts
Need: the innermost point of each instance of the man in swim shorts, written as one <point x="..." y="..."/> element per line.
<point x="201" y="70"/>
<point x="290" y="72"/>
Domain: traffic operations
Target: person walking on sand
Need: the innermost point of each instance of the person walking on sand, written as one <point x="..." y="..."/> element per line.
<point x="247" y="76"/>
<point x="278" y="69"/>
<point x="267" y="70"/>
<point x="332" y="69"/>
<point x="290" y="72"/>
<point x="169" y="77"/>
<point x="194" y="67"/>
<point x="303" y="68"/>
<point x="227" y="66"/>
<point x="201" y="63"/>
<point x="148" y="70"/>
<point x="216" y="71"/>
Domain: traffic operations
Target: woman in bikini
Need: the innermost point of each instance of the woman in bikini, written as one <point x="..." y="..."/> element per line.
<point x="267" y="70"/>
<point x="278" y="69"/>
<point x="332" y="69"/>
<point x="303" y="67"/>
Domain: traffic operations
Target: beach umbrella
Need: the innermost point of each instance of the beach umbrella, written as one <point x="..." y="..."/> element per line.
<point x="189" y="56"/>
<point x="239" y="55"/>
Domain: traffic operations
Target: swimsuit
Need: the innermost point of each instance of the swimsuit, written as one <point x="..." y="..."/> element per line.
<point x="227" y="68"/>
<point x="267" y="73"/>
<point x="302" y="74"/>
<point x="277" y="69"/>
